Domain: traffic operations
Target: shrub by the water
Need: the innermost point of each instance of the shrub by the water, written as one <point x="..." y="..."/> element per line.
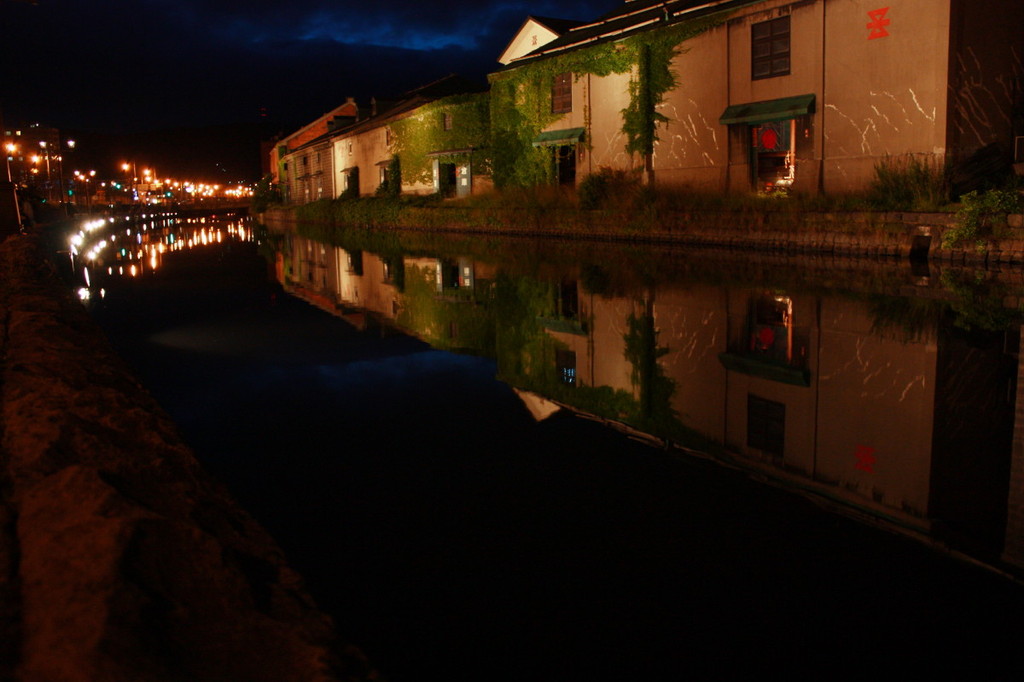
<point x="982" y="214"/>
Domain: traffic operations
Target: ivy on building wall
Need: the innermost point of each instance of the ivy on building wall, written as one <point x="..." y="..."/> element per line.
<point x="521" y="97"/>
<point x="424" y="133"/>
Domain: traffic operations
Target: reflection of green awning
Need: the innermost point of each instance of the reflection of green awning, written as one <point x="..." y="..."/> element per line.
<point x="770" y="110"/>
<point x="564" y="326"/>
<point x="756" y="367"/>
<point x="559" y="137"/>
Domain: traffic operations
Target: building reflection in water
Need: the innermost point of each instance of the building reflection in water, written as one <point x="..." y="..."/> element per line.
<point x="901" y="407"/>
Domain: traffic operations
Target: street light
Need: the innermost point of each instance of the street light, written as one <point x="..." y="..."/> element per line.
<point x="88" y="198"/>
<point x="85" y="178"/>
<point x="131" y="178"/>
<point x="60" y="170"/>
<point x="9" y="149"/>
<point x="10" y="212"/>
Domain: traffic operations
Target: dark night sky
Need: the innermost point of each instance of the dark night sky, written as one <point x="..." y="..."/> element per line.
<point x="118" y="66"/>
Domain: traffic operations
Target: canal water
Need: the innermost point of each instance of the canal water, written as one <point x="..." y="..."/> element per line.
<point x="529" y="460"/>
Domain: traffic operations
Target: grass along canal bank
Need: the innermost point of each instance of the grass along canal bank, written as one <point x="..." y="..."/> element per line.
<point x="980" y="231"/>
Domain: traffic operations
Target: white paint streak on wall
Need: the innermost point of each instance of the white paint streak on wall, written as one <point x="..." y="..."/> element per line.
<point x="892" y="98"/>
<point x="918" y="380"/>
<point x="888" y="111"/>
<point x="920" y="108"/>
<point x="710" y="128"/>
<point x="865" y="147"/>
<point x="868" y="377"/>
<point x="884" y="117"/>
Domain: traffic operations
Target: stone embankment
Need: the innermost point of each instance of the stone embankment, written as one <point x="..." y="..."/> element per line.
<point x="120" y="558"/>
<point x="868" y="234"/>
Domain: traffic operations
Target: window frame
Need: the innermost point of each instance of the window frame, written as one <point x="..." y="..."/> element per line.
<point x="772" y="51"/>
<point x="561" y="93"/>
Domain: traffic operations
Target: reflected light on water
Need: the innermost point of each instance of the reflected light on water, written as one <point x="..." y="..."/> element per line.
<point x="153" y="239"/>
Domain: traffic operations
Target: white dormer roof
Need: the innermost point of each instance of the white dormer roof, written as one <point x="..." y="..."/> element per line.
<point x="535" y="32"/>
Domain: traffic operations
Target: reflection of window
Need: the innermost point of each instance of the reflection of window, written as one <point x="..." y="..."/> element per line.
<point x="772" y="335"/>
<point x="568" y="300"/>
<point x="766" y="425"/>
<point x="770" y="48"/>
<point x="561" y="94"/>
<point x="355" y="262"/>
<point x="565" y="361"/>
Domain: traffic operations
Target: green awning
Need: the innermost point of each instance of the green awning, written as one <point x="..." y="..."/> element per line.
<point x="767" y="111"/>
<point x="559" y="137"/>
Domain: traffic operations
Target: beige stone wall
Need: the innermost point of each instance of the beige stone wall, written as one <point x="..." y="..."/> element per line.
<point x="597" y="103"/>
<point x="882" y="96"/>
<point x="604" y="99"/>
<point x="322" y="168"/>
<point x="693" y="148"/>
<point x="365" y="150"/>
<point x="343" y="153"/>
<point x="369" y="150"/>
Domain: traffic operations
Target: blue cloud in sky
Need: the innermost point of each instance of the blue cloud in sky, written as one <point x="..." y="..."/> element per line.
<point x="407" y="24"/>
<point x="120" y="65"/>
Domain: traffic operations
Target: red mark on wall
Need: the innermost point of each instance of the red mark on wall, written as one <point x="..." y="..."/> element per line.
<point x="878" y="23"/>
<point x="865" y="458"/>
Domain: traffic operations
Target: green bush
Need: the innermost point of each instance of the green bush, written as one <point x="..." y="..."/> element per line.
<point x="598" y="189"/>
<point x="981" y="215"/>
